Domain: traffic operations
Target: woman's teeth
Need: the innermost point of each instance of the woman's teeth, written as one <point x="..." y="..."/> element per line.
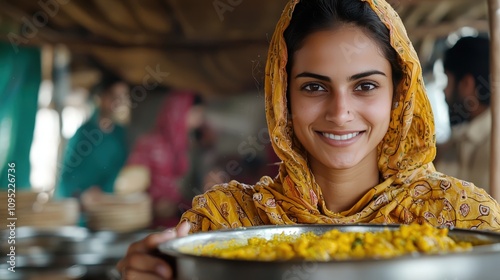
<point x="341" y="137"/>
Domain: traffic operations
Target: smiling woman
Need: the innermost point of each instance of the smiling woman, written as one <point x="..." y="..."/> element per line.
<point x="340" y="114"/>
<point x="348" y="116"/>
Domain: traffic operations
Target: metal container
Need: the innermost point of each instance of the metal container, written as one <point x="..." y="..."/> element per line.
<point x="64" y="252"/>
<point x="74" y="272"/>
<point x="482" y="262"/>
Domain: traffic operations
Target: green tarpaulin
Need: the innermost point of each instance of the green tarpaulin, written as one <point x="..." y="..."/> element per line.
<point x="20" y="77"/>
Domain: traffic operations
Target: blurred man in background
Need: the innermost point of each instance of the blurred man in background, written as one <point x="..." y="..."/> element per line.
<point x="467" y="154"/>
<point x="98" y="150"/>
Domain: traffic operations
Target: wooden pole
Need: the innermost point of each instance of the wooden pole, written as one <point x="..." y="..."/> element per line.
<point x="494" y="17"/>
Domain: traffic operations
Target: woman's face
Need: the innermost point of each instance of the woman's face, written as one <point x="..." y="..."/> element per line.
<point x="341" y="95"/>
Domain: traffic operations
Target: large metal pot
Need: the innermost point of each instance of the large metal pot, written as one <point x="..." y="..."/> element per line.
<point x="482" y="262"/>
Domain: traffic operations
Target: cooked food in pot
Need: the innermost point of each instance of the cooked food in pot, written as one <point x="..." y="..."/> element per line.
<point x="338" y="245"/>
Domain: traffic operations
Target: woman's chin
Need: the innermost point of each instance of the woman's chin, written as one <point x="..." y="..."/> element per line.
<point x="342" y="164"/>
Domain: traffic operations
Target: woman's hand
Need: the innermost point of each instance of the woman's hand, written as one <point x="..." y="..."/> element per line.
<point x="141" y="264"/>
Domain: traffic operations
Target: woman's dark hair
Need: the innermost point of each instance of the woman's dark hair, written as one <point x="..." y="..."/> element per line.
<point x="311" y="16"/>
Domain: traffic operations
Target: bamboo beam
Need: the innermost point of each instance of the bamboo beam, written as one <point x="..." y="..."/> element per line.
<point x="494" y="17"/>
<point x="445" y="28"/>
<point x="85" y="45"/>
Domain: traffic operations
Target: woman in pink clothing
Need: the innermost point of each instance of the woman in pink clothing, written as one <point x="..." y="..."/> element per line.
<point x="160" y="159"/>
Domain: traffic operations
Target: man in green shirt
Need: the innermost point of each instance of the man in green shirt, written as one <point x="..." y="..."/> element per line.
<point x="98" y="150"/>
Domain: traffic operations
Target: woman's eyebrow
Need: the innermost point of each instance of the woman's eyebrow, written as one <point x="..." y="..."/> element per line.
<point x="352" y="78"/>
<point x="312" y="75"/>
<point x="365" y="74"/>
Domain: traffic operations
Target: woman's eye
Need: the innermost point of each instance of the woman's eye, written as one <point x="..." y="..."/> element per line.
<point x="313" y="87"/>
<point x="365" y="87"/>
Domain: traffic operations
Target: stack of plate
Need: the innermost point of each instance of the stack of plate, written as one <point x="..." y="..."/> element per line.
<point x="120" y="213"/>
<point x="37" y="210"/>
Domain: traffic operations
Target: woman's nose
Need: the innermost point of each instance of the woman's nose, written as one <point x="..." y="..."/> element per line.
<point x="338" y="110"/>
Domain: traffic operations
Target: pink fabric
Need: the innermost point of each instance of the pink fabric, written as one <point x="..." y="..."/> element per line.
<point x="165" y="151"/>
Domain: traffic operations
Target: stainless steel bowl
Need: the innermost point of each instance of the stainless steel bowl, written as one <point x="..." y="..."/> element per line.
<point x="480" y="263"/>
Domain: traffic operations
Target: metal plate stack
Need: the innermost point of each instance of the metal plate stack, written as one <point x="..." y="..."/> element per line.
<point x="120" y="213"/>
<point x="67" y="252"/>
<point x="37" y="210"/>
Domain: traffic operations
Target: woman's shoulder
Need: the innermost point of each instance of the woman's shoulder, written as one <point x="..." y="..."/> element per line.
<point x="432" y="183"/>
<point x="231" y="192"/>
<point x="452" y="186"/>
<point x="446" y="200"/>
<point x="227" y="205"/>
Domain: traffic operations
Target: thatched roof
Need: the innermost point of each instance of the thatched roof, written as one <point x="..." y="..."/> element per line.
<point x="212" y="46"/>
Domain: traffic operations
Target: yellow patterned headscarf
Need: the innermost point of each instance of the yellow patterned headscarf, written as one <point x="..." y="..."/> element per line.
<point x="412" y="190"/>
